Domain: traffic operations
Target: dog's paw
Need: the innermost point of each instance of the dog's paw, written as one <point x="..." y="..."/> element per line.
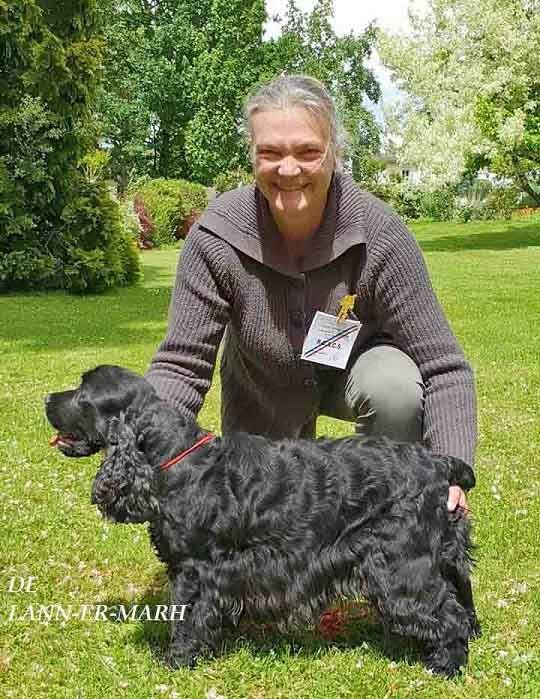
<point x="447" y="661"/>
<point x="177" y="659"/>
<point x="476" y="629"/>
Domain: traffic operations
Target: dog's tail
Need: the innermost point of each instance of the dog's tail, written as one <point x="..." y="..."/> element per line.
<point x="459" y="473"/>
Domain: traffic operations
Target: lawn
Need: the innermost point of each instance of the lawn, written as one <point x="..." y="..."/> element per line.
<point x="488" y="279"/>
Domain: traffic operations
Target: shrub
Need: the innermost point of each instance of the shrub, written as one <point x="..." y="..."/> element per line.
<point x="438" y="205"/>
<point x="145" y="227"/>
<point x="404" y="199"/>
<point x="464" y="213"/>
<point x="232" y="179"/>
<point x="163" y="207"/>
<point x="526" y="212"/>
<point x="28" y="268"/>
<point x="101" y="253"/>
<point x="407" y="201"/>
<point x="526" y="201"/>
<point x="471" y="200"/>
<point x="130" y="217"/>
<point x="501" y="202"/>
<point x="28" y="136"/>
<point x="130" y="258"/>
<point x="95" y="164"/>
<point x="195" y="198"/>
<point x="88" y="251"/>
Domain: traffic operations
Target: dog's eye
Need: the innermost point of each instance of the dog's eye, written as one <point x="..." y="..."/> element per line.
<point x="83" y="402"/>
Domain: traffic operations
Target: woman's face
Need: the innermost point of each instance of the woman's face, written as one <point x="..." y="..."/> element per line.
<point x="292" y="162"/>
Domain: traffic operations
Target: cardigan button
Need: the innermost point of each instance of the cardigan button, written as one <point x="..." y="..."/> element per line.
<point x="297" y="318"/>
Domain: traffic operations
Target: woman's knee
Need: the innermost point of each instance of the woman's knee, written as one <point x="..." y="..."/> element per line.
<point x="385" y="394"/>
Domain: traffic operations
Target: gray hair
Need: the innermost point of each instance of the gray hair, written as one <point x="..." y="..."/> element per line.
<point x="301" y="91"/>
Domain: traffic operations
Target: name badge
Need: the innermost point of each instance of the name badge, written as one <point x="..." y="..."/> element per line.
<point x="329" y="341"/>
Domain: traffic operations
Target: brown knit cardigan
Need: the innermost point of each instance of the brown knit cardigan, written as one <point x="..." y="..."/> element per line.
<point x="234" y="276"/>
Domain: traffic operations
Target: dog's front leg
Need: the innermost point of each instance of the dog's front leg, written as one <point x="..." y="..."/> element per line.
<point x="198" y="631"/>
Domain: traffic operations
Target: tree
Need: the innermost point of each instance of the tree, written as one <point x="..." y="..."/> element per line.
<point x="57" y="228"/>
<point x="471" y="71"/>
<point x="222" y="75"/>
<point x="173" y="108"/>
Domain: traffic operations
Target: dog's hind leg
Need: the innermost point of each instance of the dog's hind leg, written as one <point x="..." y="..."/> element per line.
<point x="416" y="602"/>
<point x="449" y="652"/>
<point x="460" y="580"/>
<point x="198" y="631"/>
<point x="456" y="567"/>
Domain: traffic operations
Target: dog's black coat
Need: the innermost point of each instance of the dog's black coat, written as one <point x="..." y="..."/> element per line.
<point x="278" y="527"/>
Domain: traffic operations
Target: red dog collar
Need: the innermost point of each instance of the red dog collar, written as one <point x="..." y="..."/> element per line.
<point x="176" y="459"/>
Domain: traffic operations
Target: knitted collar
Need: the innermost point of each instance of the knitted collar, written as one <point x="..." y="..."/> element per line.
<point x="242" y="217"/>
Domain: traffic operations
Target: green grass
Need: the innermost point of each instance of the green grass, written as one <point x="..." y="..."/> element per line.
<point x="488" y="279"/>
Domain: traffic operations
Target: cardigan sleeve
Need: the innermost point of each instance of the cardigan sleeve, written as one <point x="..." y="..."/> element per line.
<point x="181" y="370"/>
<point x="408" y="309"/>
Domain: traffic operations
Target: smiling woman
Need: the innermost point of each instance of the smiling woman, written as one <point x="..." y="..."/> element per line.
<point x="280" y="264"/>
<point x="296" y="145"/>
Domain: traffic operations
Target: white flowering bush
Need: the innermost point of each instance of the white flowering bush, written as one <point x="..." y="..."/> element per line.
<point x="470" y="71"/>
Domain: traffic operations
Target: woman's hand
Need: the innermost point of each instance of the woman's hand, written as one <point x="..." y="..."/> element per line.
<point x="456" y="498"/>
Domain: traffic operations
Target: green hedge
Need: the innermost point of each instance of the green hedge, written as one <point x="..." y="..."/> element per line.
<point x="103" y="252"/>
<point x="482" y="201"/>
<point x="404" y="199"/>
<point x="87" y="250"/>
<point x="168" y="204"/>
<point x="232" y="179"/>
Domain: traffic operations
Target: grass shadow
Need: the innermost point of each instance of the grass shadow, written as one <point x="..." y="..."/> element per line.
<point x="159" y="275"/>
<point x="59" y="321"/>
<point x="147" y="633"/>
<point x="509" y="238"/>
<point x="359" y="631"/>
<point x="359" y="627"/>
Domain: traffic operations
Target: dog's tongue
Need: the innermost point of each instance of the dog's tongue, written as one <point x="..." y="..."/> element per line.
<point x="59" y="438"/>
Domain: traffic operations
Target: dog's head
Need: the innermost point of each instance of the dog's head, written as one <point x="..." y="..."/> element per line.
<point x="82" y="416"/>
<point x="92" y="417"/>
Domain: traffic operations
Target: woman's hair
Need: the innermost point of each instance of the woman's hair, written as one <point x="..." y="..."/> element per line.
<point x="300" y="91"/>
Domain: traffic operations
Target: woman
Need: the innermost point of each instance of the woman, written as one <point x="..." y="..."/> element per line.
<point x="263" y="259"/>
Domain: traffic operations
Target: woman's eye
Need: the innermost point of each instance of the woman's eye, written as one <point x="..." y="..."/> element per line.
<point x="269" y="154"/>
<point x="310" y="154"/>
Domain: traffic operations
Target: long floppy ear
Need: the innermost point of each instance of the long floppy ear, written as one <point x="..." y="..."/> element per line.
<point x="125" y="487"/>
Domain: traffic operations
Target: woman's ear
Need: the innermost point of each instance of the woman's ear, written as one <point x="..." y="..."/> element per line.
<point x="124" y="488"/>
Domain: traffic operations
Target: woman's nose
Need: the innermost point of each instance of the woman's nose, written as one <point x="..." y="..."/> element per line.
<point x="289" y="166"/>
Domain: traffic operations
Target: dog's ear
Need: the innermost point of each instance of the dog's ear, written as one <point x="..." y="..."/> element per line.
<point x="125" y="488"/>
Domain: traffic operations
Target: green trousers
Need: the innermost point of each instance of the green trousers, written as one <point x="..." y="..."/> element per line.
<point x="382" y="393"/>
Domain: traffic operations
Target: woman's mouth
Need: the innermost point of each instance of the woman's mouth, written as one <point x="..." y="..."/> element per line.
<point x="289" y="188"/>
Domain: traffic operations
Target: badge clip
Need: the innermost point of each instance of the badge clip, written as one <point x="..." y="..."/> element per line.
<point x="346" y="306"/>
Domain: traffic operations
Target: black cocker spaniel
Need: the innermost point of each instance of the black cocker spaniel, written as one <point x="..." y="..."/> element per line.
<point x="278" y="527"/>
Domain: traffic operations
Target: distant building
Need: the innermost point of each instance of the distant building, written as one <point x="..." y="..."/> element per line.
<point x="395" y="171"/>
